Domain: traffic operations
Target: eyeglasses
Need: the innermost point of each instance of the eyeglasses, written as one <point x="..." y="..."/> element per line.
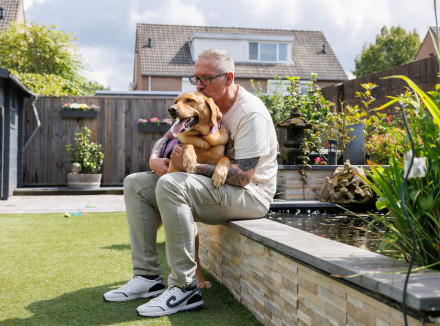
<point x="203" y="80"/>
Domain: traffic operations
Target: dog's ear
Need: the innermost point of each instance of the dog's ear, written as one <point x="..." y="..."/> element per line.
<point x="216" y="115"/>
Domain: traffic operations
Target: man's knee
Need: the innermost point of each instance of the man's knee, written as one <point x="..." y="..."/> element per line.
<point x="169" y="184"/>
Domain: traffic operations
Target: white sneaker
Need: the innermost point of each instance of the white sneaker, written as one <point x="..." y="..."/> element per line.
<point x="173" y="300"/>
<point x="137" y="287"/>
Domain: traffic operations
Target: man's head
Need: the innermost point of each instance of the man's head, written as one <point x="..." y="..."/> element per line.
<point x="214" y="74"/>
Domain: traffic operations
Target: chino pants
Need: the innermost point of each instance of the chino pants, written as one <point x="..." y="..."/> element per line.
<point x="180" y="199"/>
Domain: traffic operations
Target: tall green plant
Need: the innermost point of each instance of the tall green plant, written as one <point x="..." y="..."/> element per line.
<point x="422" y="194"/>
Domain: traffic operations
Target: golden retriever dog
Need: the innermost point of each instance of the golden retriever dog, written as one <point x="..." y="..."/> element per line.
<point x="203" y="140"/>
<point x="202" y="136"/>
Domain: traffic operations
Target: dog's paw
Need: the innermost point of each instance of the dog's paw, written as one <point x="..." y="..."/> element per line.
<point x="189" y="162"/>
<point x="219" y="177"/>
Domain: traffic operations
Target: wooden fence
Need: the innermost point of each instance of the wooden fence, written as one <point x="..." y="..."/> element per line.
<point x="423" y="72"/>
<point x="126" y="150"/>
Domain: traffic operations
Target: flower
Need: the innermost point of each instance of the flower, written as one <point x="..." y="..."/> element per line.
<point x="77" y="106"/>
<point x="142" y="122"/>
<point x="155" y="120"/>
<point x="167" y="121"/>
<point x="319" y="161"/>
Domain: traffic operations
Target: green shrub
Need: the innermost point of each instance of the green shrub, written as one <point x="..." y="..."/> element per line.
<point x="86" y="153"/>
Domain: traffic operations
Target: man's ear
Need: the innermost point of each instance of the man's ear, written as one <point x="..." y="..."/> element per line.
<point x="216" y="115"/>
<point x="229" y="78"/>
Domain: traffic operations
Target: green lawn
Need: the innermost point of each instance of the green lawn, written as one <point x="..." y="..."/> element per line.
<point x="54" y="271"/>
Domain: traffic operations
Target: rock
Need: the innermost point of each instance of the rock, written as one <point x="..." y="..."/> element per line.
<point x="346" y="186"/>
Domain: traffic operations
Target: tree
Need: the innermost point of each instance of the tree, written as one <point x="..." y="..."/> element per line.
<point x="392" y="48"/>
<point x="44" y="59"/>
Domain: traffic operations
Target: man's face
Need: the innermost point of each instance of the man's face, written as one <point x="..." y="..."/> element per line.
<point x="217" y="87"/>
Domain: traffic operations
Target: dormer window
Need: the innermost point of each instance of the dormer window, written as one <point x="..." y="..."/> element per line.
<point x="245" y="47"/>
<point x="268" y="52"/>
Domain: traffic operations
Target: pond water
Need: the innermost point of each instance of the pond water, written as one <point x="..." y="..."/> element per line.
<point x="348" y="229"/>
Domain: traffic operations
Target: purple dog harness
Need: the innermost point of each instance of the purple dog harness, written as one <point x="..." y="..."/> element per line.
<point x="169" y="146"/>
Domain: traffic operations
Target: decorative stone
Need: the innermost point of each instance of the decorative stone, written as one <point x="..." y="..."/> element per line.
<point x="346" y="186"/>
<point x="75" y="167"/>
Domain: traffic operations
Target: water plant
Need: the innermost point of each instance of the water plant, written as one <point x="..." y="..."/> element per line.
<point x="421" y="194"/>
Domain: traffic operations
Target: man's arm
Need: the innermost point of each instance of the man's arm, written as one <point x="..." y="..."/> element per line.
<point x="240" y="173"/>
<point x="157" y="164"/>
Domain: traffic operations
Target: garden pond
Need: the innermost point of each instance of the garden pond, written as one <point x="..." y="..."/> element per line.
<point x="344" y="228"/>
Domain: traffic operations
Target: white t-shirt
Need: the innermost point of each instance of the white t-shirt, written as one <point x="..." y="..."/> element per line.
<point x="252" y="134"/>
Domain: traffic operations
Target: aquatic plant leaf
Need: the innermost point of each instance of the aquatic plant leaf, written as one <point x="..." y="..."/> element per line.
<point x="430" y="105"/>
<point x="426" y="202"/>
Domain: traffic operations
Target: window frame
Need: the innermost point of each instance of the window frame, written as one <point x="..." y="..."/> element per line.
<point x="276" y="54"/>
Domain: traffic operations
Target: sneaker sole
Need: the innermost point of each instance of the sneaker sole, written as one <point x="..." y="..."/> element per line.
<point x="194" y="307"/>
<point x="134" y="297"/>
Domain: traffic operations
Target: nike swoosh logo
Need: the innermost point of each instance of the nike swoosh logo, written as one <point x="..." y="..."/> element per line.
<point x="171" y="304"/>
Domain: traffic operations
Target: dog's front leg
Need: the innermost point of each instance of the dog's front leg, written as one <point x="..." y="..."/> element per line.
<point x="221" y="171"/>
<point x="189" y="157"/>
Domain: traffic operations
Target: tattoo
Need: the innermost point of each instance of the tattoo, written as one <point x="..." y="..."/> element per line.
<point x="240" y="173"/>
<point x="205" y="169"/>
<point x="157" y="147"/>
<point x="248" y="164"/>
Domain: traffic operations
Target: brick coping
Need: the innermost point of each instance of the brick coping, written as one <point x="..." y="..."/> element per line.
<point x="378" y="271"/>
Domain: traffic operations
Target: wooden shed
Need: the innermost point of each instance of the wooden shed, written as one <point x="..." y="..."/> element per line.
<point x="12" y="95"/>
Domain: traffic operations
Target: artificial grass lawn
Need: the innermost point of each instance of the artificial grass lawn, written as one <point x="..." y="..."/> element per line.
<point x="54" y="271"/>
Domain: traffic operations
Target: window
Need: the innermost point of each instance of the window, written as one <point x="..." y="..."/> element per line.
<point x="282" y="52"/>
<point x="268" y="52"/>
<point x="253" y="51"/>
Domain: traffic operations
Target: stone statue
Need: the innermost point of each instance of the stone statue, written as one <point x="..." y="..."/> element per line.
<point x="346" y="186"/>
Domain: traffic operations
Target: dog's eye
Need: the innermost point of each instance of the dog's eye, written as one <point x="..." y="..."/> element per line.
<point x="189" y="100"/>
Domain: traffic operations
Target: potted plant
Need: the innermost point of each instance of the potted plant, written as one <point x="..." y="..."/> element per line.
<point x="77" y="110"/>
<point x="86" y="160"/>
<point x="154" y="125"/>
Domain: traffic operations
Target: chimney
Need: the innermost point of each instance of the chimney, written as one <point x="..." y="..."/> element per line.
<point x="1" y="13"/>
<point x="149" y="43"/>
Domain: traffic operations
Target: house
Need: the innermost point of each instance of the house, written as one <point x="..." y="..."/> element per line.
<point x="427" y="49"/>
<point x="12" y="94"/>
<point x="165" y="55"/>
<point x="11" y="10"/>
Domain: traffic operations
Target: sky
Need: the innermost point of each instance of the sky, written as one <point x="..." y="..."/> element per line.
<point x="105" y="30"/>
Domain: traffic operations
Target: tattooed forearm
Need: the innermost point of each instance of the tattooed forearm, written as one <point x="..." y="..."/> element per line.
<point x="240" y="173"/>
<point x="157" y="147"/>
<point x="205" y="169"/>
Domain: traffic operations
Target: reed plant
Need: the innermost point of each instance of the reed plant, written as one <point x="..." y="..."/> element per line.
<point x="419" y="213"/>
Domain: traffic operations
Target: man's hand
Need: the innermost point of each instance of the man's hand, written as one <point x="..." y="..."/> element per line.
<point x="177" y="157"/>
<point x="159" y="165"/>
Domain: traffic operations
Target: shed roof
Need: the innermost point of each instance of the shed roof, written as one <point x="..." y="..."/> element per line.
<point x="169" y="54"/>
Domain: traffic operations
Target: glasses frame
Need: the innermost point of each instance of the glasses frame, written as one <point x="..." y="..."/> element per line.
<point x="193" y="80"/>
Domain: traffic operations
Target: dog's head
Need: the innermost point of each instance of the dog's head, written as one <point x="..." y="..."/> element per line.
<point x="194" y="111"/>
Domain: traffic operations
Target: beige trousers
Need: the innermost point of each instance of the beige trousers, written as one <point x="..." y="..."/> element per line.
<point x="181" y="199"/>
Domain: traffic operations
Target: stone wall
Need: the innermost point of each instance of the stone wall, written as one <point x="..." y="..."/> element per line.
<point x="284" y="276"/>
<point x="290" y="186"/>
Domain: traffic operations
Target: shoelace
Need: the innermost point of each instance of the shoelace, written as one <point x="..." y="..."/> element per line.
<point x="129" y="283"/>
<point x="164" y="294"/>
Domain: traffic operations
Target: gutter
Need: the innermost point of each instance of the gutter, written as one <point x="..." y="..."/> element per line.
<point x="34" y="99"/>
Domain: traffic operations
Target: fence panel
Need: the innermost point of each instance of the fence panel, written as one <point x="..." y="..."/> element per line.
<point x="45" y="160"/>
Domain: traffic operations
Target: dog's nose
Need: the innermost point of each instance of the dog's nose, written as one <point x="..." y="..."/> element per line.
<point x="172" y="110"/>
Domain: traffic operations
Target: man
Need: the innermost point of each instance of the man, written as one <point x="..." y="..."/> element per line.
<point x="180" y="198"/>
